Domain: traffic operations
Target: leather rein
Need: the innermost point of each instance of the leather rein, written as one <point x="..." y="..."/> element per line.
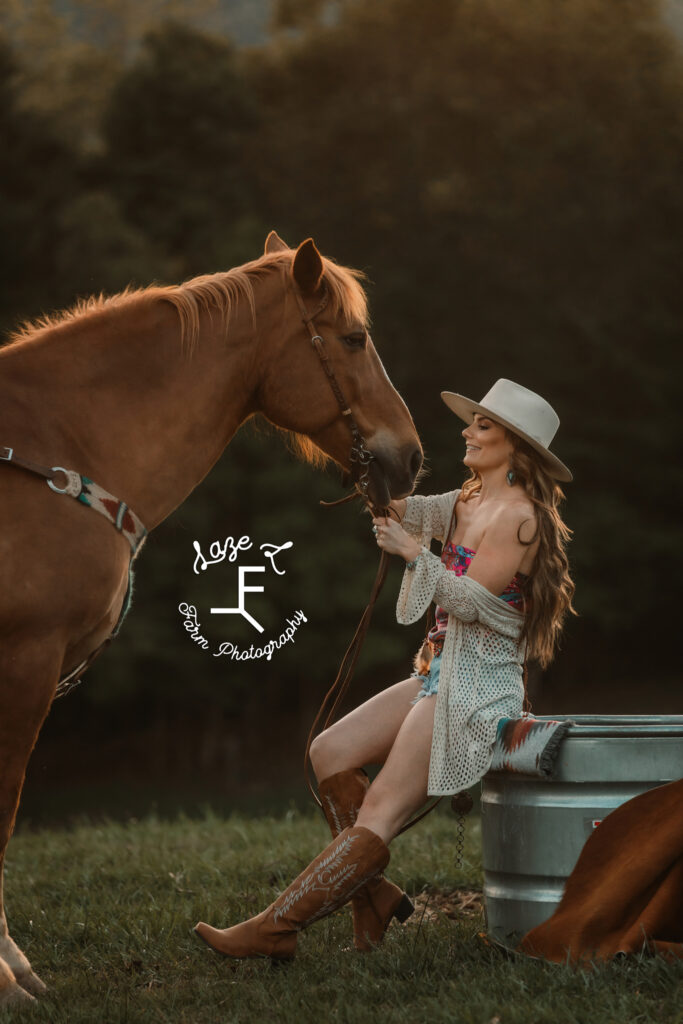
<point x="360" y="458"/>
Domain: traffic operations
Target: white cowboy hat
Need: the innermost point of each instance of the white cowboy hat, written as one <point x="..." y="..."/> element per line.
<point x="522" y="411"/>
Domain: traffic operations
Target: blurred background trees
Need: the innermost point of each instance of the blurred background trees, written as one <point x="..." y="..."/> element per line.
<point x="508" y="175"/>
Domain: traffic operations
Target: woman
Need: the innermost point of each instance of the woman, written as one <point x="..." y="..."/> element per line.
<point x="502" y="590"/>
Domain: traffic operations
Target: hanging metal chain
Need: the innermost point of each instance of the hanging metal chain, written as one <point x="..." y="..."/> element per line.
<point x="460" y="842"/>
<point x="461" y="804"/>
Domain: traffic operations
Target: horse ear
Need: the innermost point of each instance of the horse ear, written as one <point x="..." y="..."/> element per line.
<point x="308" y="267"/>
<point x="274" y="244"/>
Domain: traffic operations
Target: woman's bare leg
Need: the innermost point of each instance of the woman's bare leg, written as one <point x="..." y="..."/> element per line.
<point x="401" y="786"/>
<point x="366" y="734"/>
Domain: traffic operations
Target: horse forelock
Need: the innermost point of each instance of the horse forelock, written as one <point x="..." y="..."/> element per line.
<point x="219" y="291"/>
<point x="347" y="294"/>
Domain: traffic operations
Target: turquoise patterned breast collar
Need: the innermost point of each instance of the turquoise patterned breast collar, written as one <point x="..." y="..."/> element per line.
<point x="85" y="490"/>
<point x="122" y="518"/>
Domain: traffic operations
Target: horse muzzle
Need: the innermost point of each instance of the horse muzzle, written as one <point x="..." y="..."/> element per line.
<point x="392" y="474"/>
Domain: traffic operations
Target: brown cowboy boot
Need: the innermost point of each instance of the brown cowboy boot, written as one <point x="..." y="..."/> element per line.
<point x="379" y="900"/>
<point x="325" y="885"/>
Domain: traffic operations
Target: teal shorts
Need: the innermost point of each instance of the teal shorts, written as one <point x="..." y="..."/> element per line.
<point x="430" y="680"/>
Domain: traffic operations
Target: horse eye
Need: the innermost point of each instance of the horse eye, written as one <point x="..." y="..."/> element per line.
<point x="357" y="339"/>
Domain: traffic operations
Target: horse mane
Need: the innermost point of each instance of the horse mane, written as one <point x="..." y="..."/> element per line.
<point x="209" y="291"/>
<point x="220" y="291"/>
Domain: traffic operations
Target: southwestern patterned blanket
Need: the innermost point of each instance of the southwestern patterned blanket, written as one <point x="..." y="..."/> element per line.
<point x="528" y="745"/>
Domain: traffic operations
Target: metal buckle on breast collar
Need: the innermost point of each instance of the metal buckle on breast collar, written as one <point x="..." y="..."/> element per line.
<point x="73" y="482"/>
<point x="8" y="456"/>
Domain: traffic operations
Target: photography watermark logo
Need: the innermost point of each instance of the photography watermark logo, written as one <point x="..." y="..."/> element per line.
<point x="230" y="550"/>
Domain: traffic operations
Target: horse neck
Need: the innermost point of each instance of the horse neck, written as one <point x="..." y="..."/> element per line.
<point x="124" y="402"/>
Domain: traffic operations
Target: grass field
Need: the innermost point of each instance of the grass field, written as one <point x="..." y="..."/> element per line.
<point x="105" y="913"/>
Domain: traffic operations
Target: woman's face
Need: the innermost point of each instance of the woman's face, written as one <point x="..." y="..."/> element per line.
<point x="487" y="445"/>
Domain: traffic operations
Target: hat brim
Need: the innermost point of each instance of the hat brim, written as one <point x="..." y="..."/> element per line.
<point x="465" y="408"/>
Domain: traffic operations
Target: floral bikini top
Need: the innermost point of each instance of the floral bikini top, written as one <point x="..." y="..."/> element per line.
<point x="457" y="558"/>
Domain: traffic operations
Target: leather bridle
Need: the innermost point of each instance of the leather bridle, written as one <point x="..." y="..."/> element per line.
<point x="360" y="455"/>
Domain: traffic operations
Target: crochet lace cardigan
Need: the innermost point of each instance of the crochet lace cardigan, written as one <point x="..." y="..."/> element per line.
<point x="482" y="662"/>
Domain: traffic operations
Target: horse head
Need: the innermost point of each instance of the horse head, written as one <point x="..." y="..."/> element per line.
<point x="322" y="340"/>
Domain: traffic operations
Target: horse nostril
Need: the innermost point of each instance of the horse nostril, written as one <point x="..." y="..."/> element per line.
<point x="415" y="462"/>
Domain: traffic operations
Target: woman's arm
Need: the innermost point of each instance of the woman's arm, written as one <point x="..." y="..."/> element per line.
<point x="420" y="586"/>
<point x="498" y="558"/>
<point x="421" y="579"/>
<point x="500" y="552"/>
<point x="427" y="515"/>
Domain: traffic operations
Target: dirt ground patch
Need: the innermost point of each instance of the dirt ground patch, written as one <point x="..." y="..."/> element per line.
<point x="454" y="904"/>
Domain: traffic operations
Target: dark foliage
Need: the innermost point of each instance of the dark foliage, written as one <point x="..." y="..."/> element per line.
<point x="509" y="176"/>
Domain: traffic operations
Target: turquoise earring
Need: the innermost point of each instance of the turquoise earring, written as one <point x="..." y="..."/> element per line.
<point x="511" y="477"/>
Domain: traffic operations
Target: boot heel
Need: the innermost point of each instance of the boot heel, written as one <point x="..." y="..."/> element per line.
<point x="404" y="909"/>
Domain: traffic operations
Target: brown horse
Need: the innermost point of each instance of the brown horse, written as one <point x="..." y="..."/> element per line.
<point x="141" y="393"/>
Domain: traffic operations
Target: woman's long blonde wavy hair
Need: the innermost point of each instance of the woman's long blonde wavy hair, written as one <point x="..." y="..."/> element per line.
<point x="548" y="590"/>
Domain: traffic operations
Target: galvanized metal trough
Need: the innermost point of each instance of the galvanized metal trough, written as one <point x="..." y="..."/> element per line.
<point x="533" y="829"/>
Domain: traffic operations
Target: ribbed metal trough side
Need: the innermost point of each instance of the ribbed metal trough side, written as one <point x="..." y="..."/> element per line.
<point x="533" y="829"/>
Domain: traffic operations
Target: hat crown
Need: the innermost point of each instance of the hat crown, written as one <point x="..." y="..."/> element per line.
<point x="523" y="409"/>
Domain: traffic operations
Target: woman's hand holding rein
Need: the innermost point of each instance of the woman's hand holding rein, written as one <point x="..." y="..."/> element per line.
<point x="392" y="538"/>
<point x="398" y="506"/>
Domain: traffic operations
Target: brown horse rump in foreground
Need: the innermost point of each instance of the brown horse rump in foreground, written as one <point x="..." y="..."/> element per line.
<point x="141" y="393"/>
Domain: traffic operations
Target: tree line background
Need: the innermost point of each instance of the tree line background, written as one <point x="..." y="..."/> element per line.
<point x="508" y="174"/>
